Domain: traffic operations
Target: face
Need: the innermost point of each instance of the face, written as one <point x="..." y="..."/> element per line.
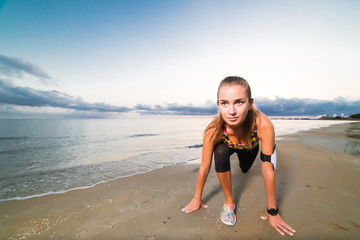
<point x="234" y="104"/>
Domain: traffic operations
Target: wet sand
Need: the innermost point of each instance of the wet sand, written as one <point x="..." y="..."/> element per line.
<point x="317" y="194"/>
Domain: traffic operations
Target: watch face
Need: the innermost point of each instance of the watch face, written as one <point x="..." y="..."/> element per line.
<point x="273" y="211"/>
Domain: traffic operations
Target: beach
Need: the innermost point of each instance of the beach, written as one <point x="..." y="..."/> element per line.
<point x="317" y="194"/>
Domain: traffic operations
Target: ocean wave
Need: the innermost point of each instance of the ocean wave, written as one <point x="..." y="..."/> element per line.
<point x="61" y="191"/>
<point x="195" y="146"/>
<point x="12" y="138"/>
<point x="143" y="135"/>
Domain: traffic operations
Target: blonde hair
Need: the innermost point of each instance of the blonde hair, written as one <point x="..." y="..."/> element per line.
<point x="249" y="123"/>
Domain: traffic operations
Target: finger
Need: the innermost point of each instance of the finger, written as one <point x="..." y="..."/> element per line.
<point x="204" y="205"/>
<point x="287" y="227"/>
<point x="190" y="209"/>
<point x="186" y="209"/>
<point x="286" y="230"/>
<point x="264" y="218"/>
<point x="279" y="231"/>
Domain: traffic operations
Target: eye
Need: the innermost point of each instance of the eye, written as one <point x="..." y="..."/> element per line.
<point x="223" y="103"/>
<point x="239" y="102"/>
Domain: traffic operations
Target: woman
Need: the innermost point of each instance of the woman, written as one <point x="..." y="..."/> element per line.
<point x="238" y="128"/>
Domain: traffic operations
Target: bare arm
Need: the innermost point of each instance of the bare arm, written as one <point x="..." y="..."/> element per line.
<point x="267" y="136"/>
<point x="207" y="151"/>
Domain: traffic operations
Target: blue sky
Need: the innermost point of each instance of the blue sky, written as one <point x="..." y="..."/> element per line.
<point x="112" y="58"/>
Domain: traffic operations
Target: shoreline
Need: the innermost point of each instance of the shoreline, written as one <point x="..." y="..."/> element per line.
<point x="93" y="185"/>
<point x="319" y="199"/>
<point x="90" y="185"/>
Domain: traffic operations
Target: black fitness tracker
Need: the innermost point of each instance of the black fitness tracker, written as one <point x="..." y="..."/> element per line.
<point x="273" y="211"/>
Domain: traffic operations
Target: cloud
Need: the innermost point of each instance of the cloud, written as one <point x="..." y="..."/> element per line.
<point x="176" y="109"/>
<point x="271" y="107"/>
<point x="16" y="67"/>
<point x="24" y="96"/>
<point x="306" y="107"/>
<point x="13" y="98"/>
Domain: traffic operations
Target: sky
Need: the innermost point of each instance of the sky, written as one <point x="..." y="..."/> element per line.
<point x="108" y="58"/>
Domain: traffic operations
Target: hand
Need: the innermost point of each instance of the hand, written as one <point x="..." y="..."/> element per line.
<point x="193" y="206"/>
<point x="279" y="224"/>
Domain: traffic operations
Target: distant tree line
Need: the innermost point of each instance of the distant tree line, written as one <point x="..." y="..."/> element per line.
<point x="356" y="116"/>
<point x="352" y="116"/>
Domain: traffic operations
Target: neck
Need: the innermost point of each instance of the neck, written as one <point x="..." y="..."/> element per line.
<point x="236" y="129"/>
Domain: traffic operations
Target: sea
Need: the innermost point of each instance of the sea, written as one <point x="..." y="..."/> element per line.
<point x="52" y="156"/>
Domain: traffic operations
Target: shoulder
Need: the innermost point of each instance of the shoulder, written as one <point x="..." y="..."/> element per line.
<point x="264" y="124"/>
<point x="212" y="135"/>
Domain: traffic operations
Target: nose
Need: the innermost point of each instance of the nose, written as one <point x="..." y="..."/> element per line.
<point x="232" y="110"/>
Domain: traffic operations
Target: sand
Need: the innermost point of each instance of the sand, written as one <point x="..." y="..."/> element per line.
<point x="317" y="194"/>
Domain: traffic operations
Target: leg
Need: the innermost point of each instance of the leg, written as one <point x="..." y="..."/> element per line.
<point x="222" y="166"/>
<point x="225" y="181"/>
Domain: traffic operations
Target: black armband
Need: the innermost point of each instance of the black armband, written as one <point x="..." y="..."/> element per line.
<point x="270" y="158"/>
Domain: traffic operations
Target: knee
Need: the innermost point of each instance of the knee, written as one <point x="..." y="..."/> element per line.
<point x="246" y="164"/>
<point x="221" y="149"/>
<point x="221" y="158"/>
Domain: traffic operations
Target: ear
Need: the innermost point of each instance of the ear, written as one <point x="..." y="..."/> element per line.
<point x="251" y="102"/>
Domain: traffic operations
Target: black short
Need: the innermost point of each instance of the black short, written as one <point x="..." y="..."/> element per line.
<point x="222" y="155"/>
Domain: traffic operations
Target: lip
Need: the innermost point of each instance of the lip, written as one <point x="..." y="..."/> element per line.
<point x="232" y="119"/>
